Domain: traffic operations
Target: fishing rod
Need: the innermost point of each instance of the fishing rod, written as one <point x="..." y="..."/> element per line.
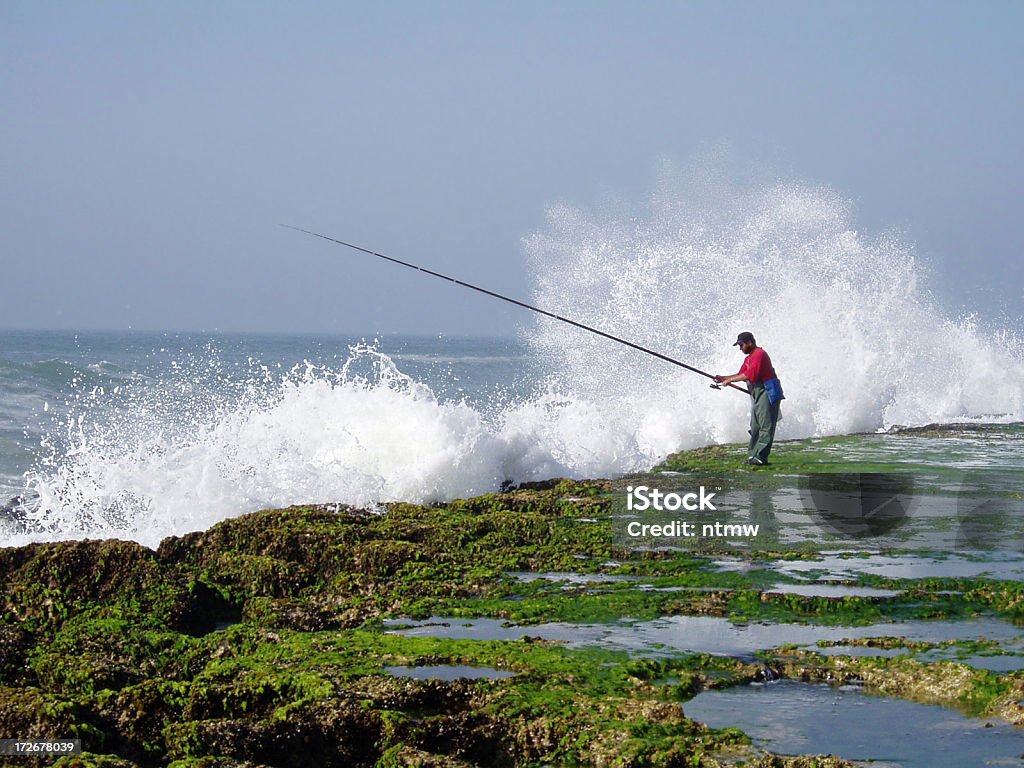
<point x="518" y="303"/>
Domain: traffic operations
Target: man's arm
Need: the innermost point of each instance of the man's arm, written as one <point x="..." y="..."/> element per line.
<point x="731" y="379"/>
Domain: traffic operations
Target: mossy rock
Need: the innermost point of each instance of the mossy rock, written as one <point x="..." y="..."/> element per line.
<point x="215" y="762"/>
<point x="323" y="734"/>
<point x="90" y="760"/>
<point x="404" y="756"/>
<point x="46" y="583"/>
<point x="15" y="644"/>
<point x="316" y="538"/>
<point x="259" y="642"/>
<point x="92" y="570"/>
<point x="318" y="613"/>
<point x="31" y="713"/>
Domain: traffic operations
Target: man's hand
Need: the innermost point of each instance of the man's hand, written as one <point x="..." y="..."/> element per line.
<point x="719" y="379"/>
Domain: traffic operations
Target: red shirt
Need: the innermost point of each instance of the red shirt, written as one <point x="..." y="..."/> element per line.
<point x="758" y="367"/>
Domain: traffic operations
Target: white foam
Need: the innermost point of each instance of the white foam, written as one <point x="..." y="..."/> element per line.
<point x="856" y="338"/>
<point x="858" y="342"/>
<point x="317" y="436"/>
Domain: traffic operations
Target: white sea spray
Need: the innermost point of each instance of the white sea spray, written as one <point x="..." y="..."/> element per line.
<point x="857" y="339"/>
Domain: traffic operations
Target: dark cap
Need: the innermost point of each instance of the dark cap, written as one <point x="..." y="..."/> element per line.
<point x="745" y="336"/>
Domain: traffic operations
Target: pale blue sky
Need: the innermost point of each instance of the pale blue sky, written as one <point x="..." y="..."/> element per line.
<point x="149" y="150"/>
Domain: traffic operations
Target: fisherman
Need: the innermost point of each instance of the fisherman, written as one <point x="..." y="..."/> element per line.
<point x="765" y="396"/>
<point x="587" y="328"/>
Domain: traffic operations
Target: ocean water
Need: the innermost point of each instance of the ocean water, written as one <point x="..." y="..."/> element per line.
<point x="796" y="718"/>
<point x="143" y="435"/>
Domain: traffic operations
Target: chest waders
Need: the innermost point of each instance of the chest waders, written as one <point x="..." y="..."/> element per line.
<point x="763" y="418"/>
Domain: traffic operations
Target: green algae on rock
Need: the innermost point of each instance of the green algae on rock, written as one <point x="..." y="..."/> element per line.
<point x="260" y="642"/>
<point x="951" y="683"/>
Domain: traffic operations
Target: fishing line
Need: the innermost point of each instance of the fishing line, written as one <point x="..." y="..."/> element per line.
<point x="518" y="303"/>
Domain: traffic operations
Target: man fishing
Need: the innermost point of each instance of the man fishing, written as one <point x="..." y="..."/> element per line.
<point x="765" y="393"/>
<point x="742" y="375"/>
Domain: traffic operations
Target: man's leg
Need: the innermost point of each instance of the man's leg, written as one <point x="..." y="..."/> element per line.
<point x="768" y="418"/>
<point x="762" y="426"/>
<point x="754" y="429"/>
<point x="776" y="410"/>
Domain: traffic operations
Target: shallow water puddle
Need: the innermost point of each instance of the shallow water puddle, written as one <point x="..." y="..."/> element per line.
<point x="449" y="672"/>
<point x="1011" y="661"/>
<point x="996" y="565"/>
<point x="701" y="634"/>
<point x="810" y="589"/>
<point x="797" y="718"/>
<point x="569" y="577"/>
<point x="832" y="590"/>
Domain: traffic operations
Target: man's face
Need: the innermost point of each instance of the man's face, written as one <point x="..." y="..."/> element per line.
<point x="745" y="347"/>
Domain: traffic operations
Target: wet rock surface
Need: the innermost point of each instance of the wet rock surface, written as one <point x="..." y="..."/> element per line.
<point x="262" y="642"/>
